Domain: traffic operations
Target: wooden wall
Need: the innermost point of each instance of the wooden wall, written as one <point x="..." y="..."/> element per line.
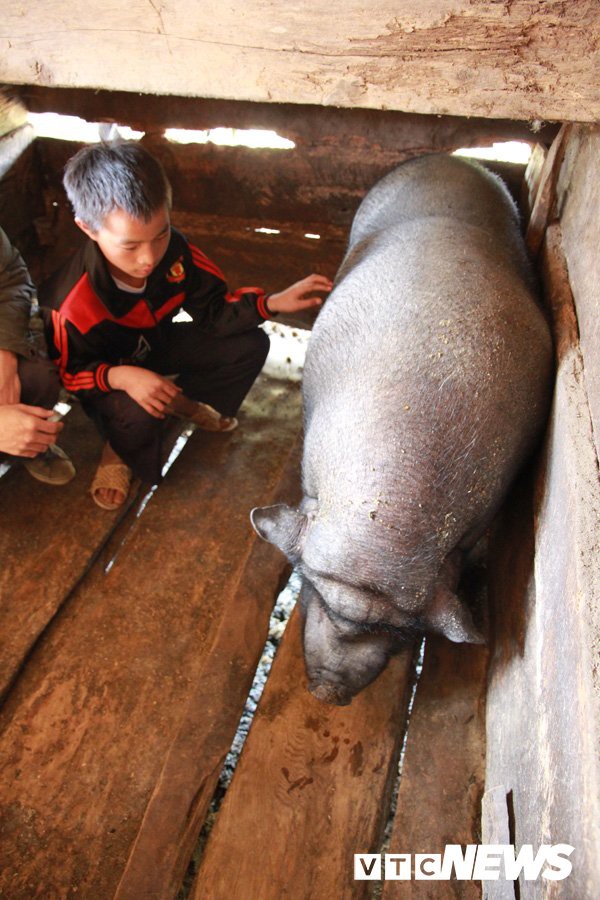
<point x="223" y="194"/>
<point x="543" y="711"/>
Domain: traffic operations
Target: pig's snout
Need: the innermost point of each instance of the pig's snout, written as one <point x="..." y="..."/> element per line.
<point x="351" y="666"/>
<point x="338" y="664"/>
<point x="329" y="692"/>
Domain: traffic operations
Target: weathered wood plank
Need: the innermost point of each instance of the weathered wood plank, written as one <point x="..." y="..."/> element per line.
<point x="579" y="194"/>
<point x="522" y="59"/>
<point x="49" y="537"/>
<point x="311" y="789"/>
<point x="531" y="178"/>
<point x="177" y="808"/>
<point x="544" y="202"/>
<point x="314" y="129"/>
<point x="439" y="801"/>
<point x="89" y="729"/>
<point x="559" y="297"/>
<point x="546" y="751"/>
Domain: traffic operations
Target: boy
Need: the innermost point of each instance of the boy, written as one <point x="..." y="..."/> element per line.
<point x="29" y="382"/>
<point x="109" y="318"/>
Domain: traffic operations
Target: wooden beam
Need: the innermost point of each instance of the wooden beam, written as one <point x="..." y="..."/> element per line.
<point x="333" y="130"/>
<point x="545" y="194"/>
<point x="520" y="59"/>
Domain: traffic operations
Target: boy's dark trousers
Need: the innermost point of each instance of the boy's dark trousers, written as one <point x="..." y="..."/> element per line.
<point x="215" y="370"/>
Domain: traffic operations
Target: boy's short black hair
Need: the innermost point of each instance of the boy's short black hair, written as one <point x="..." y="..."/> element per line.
<point x="104" y="177"/>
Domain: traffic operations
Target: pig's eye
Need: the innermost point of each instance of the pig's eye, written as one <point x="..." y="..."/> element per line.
<point x="330" y="583"/>
<point x="363" y="609"/>
<point x="349" y="628"/>
<point x="348" y="602"/>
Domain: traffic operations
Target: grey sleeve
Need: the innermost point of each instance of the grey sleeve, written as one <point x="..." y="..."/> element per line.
<point x="16" y="297"/>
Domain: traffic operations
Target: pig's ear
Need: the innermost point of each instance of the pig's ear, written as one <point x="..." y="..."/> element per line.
<point x="448" y="616"/>
<point x="282" y="526"/>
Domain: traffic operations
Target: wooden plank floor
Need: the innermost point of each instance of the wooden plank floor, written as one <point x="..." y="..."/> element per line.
<point x="313" y="784"/>
<point x="113" y="734"/>
<point x="312" y="787"/>
<point x="48" y="539"/>
<point x="442" y="783"/>
<point x="131" y="643"/>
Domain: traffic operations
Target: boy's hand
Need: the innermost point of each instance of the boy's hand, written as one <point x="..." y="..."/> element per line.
<point x="25" y="430"/>
<point x="10" y="385"/>
<point x="152" y="391"/>
<point x="293" y="299"/>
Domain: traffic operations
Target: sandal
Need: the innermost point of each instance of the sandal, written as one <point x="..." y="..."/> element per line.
<point x="208" y="419"/>
<point x="111" y="476"/>
<point x="51" y="467"/>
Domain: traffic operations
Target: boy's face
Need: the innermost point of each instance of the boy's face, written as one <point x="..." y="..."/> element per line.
<point x="132" y="248"/>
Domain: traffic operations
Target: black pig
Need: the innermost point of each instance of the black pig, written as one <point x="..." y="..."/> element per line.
<point x="427" y="382"/>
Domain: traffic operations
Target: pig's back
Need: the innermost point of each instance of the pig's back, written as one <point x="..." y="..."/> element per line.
<point x="430" y="355"/>
<point x="447" y="186"/>
<point x="430" y="298"/>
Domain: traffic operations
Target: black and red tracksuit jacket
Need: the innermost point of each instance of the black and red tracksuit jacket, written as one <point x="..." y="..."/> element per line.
<point x="92" y="325"/>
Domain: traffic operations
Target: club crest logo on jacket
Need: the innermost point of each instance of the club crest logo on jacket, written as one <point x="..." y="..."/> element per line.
<point x="176" y="273"/>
